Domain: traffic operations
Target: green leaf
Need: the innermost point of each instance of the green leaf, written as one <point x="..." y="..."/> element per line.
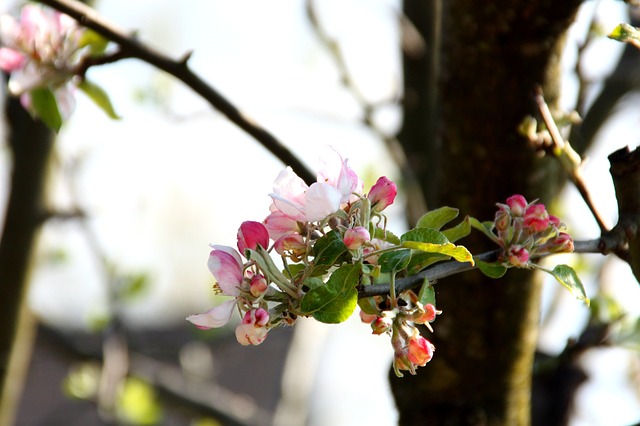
<point x="334" y="302"/>
<point x="394" y="261"/>
<point x="385" y="235"/>
<point x="427" y="294"/>
<point x="492" y="270"/>
<point x="45" y="107"/>
<point x="459" y="231"/>
<point x="368" y="305"/>
<point x="94" y="41"/>
<point x="485" y="227"/>
<point x="437" y="218"/>
<point x="421" y="259"/>
<point x="459" y="253"/>
<point x="99" y="97"/>
<point x="568" y="278"/>
<point x="424" y="235"/>
<point x="326" y="252"/>
<point x="295" y="270"/>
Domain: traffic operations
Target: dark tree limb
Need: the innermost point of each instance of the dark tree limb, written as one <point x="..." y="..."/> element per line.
<point x="623" y="238"/>
<point x="31" y="144"/>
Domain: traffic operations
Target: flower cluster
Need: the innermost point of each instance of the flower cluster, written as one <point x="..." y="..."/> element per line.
<point x="315" y="230"/>
<point x="526" y="229"/>
<point x="41" y="50"/>
<point x="411" y="350"/>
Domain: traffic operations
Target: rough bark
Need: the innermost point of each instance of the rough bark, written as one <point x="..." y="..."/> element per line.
<point x="492" y="56"/>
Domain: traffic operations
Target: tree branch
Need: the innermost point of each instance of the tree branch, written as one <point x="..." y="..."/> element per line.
<point x="445" y="269"/>
<point x="179" y="69"/>
<point x="623" y="238"/>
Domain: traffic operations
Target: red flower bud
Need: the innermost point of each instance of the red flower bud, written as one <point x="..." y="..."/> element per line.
<point x="251" y="234"/>
<point x="536" y="218"/>
<point x="382" y="194"/>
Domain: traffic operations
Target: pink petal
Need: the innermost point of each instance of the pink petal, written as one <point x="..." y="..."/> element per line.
<point x="214" y="318"/>
<point x="290" y="186"/>
<point x="227" y="271"/>
<point x="278" y="224"/>
<point x="337" y="173"/>
<point x="11" y="60"/>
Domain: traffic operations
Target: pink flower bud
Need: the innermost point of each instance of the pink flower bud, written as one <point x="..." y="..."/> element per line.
<point x="382" y="194"/>
<point x="420" y="350"/>
<point x="536" y="218"/>
<point x="355" y="237"/>
<point x="382" y="324"/>
<point x="518" y="256"/>
<point x="251" y="234"/>
<point x="517" y="203"/>
<point x="502" y="220"/>
<point x="555" y="221"/>
<point x="258" y="285"/>
<point x="563" y="243"/>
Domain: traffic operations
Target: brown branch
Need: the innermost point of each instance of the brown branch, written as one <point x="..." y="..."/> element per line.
<point x="445" y="269"/>
<point x="623" y="238"/>
<point x="559" y="148"/>
<point x="133" y="48"/>
<point x="31" y="145"/>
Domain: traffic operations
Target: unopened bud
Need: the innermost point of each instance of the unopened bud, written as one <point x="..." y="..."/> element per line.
<point x="382" y="194"/>
<point x="356" y="237"/>
<point x="518" y="256"/>
<point x="258" y="285"/>
<point x="536" y="218"/>
<point x="517" y="203"/>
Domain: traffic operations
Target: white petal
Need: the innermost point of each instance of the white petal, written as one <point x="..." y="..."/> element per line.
<point x="214" y="318"/>
<point x="322" y="200"/>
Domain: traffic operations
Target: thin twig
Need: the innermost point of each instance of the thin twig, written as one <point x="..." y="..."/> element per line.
<point x="133" y="48"/>
<point x="575" y="172"/>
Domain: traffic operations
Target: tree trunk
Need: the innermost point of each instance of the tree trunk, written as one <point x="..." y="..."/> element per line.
<point x="490" y="58"/>
<point x="31" y="144"/>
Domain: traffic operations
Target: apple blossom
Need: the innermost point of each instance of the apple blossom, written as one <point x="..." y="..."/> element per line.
<point x="419" y="350"/>
<point x="253" y="330"/>
<point x="294" y="199"/>
<point x="41" y="50"/>
<point x="226" y="266"/>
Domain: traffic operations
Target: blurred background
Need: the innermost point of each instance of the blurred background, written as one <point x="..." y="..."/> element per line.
<point x="171" y="176"/>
